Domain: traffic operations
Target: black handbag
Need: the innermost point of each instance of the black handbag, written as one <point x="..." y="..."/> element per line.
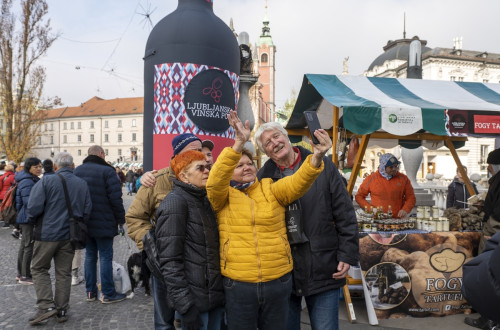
<point x="77" y="226"/>
<point x="152" y="260"/>
<point x="294" y="229"/>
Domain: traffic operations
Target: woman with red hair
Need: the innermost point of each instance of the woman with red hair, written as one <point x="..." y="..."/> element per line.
<point x="188" y="245"/>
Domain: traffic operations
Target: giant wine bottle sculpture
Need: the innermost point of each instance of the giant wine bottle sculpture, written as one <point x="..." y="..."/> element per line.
<point x="191" y="78"/>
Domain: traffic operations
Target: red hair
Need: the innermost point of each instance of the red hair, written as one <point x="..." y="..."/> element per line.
<point x="183" y="160"/>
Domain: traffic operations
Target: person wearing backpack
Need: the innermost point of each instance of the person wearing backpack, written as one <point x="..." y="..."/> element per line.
<point x="6" y="181"/>
<point x="26" y="179"/>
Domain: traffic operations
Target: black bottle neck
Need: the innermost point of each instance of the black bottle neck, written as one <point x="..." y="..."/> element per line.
<point x="206" y="4"/>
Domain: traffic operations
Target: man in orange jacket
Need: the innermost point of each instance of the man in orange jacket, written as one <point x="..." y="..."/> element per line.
<point x="388" y="187"/>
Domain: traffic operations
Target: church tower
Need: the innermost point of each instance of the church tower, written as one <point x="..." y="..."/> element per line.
<point x="266" y="68"/>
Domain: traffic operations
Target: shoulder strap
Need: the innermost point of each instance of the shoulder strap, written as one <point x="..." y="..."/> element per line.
<point x="68" y="204"/>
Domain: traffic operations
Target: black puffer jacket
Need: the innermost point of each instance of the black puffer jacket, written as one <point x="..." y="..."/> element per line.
<point x="330" y="224"/>
<point x="458" y="194"/>
<point x="188" y="243"/>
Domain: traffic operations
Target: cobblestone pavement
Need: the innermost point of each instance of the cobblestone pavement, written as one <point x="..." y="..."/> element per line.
<point x="18" y="302"/>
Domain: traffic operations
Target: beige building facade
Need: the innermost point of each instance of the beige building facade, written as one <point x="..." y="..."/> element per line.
<point x="116" y="125"/>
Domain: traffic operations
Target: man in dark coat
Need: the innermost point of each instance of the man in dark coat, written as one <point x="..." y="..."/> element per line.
<point x="329" y="243"/>
<point x="48" y="211"/>
<point x="107" y="215"/>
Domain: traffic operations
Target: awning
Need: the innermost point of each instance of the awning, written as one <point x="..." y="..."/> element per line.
<point x="400" y="106"/>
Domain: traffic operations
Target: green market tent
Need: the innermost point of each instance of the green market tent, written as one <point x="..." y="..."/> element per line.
<point x="408" y="110"/>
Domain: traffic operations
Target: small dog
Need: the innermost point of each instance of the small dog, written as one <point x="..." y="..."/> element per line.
<point x="139" y="272"/>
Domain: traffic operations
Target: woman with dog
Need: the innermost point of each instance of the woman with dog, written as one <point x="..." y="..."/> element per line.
<point x="188" y="245"/>
<point x="256" y="259"/>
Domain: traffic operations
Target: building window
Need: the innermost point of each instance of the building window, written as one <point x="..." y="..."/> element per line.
<point x="460" y="78"/>
<point x="91" y="124"/>
<point x="134" y="137"/>
<point x="72" y="125"/>
<point x="1" y="124"/>
<point x="91" y="137"/>
<point x="45" y="126"/>
<point x="51" y="126"/>
<point x="79" y="138"/>
<point x="134" y="123"/>
<point x="485" y="81"/>
<point x="119" y="138"/>
<point x="39" y="140"/>
<point x="106" y="124"/>
<point x="52" y="139"/>
<point x="452" y="78"/>
<point x="79" y="152"/>
<point x="484" y="154"/>
<point x="264" y="58"/>
<point x="106" y="151"/>
<point x="119" y="123"/>
<point x="106" y="138"/>
<point x="79" y="125"/>
<point x="65" y="139"/>
<point x="65" y="126"/>
<point x="119" y="152"/>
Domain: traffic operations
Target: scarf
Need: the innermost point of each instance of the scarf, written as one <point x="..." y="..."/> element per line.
<point x="381" y="168"/>
<point x="240" y="186"/>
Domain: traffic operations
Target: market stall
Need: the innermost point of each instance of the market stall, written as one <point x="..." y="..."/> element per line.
<point x="410" y="267"/>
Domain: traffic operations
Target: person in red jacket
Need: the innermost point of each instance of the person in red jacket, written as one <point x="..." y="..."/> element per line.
<point x="6" y="180"/>
<point x="388" y="187"/>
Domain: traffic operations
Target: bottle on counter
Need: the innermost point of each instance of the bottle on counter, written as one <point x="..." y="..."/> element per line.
<point x="389" y="212"/>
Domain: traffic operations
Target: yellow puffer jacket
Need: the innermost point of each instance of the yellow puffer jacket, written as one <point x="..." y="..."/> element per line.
<point x="145" y="203"/>
<point x="253" y="243"/>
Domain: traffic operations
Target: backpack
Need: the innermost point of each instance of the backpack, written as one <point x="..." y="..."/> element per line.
<point x="8" y="211"/>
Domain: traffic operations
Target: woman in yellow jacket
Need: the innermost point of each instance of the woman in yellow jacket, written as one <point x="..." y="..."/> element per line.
<point x="256" y="259"/>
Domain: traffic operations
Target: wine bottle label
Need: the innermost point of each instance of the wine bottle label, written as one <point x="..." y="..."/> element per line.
<point x="194" y="98"/>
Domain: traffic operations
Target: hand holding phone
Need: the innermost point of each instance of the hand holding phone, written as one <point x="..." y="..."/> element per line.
<point x="312" y="123"/>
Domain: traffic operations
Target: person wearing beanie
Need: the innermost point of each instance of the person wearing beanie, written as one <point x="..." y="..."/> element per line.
<point x="142" y="212"/>
<point x="387" y="186"/>
<point x="187" y="238"/>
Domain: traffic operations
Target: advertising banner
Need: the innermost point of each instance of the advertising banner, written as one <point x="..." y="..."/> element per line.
<point x="465" y="123"/>
<point x="417" y="274"/>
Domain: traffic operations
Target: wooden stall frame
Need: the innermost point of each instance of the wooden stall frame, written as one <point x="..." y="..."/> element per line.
<point x="384" y="135"/>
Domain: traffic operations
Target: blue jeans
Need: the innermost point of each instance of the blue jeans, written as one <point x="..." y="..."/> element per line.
<point x="262" y="305"/>
<point x="211" y="319"/>
<point x="105" y="248"/>
<point x="323" y="310"/>
<point x="130" y="187"/>
<point x="163" y="314"/>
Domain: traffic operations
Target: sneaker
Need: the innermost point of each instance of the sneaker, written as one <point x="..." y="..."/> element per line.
<point x="15" y="233"/>
<point x="62" y="316"/>
<point x="112" y="299"/>
<point x="18" y="277"/>
<point x="75" y="280"/>
<point x="26" y="280"/>
<point x="42" y="315"/>
<point x="91" y="296"/>
<point x="5" y="226"/>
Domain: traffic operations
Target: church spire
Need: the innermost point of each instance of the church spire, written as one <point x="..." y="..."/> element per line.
<point x="265" y="37"/>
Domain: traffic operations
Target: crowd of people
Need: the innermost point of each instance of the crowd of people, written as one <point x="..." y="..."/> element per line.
<point x="226" y="254"/>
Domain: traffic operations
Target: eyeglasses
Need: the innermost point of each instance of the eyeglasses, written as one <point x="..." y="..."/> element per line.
<point x="202" y="168"/>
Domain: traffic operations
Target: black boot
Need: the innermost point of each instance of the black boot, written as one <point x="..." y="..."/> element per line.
<point x="481" y="322"/>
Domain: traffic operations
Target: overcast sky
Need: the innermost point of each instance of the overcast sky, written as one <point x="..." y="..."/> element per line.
<point x="102" y="42"/>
